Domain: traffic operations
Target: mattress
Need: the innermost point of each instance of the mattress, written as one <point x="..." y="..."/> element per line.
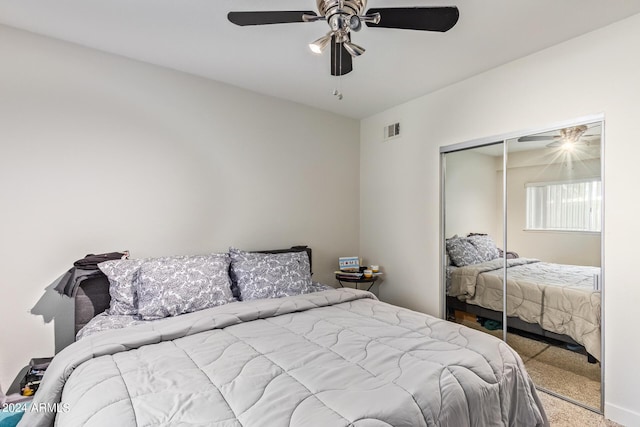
<point x="331" y="358"/>
<point x="560" y="298"/>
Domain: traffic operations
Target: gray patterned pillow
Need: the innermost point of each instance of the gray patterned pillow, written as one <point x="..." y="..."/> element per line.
<point x="122" y="274"/>
<point x="279" y="275"/>
<point x="485" y="246"/>
<point x="462" y="252"/>
<point x="182" y="284"/>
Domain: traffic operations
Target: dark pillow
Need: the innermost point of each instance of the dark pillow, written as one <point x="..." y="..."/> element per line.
<point x="510" y="254"/>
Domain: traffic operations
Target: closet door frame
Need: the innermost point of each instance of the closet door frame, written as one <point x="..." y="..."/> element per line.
<point x="503" y="138"/>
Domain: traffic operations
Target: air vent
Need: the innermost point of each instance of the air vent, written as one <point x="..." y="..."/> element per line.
<point x="391" y="131"/>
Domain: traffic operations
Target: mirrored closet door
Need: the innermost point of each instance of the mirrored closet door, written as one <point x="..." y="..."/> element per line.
<point x="473" y="216"/>
<point x="522" y="248"/>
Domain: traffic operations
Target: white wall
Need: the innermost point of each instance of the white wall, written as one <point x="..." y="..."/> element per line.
<point x="471" y="193"/>
<point x="399" y="220"/>
<point x="101" y="153"/>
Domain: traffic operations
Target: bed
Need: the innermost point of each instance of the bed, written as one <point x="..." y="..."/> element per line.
<point x="328" y="357"/>
<point x="558" y="301"/>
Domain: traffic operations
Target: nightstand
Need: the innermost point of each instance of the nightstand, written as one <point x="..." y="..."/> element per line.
<point x="357" y="280"/>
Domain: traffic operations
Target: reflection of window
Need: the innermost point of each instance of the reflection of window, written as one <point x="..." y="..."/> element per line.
<point x="565" y="206"/>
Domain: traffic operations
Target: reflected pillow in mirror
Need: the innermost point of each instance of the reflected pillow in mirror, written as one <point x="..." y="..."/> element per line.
<point x="462" y="252"/>
<point x="486" y="247"/>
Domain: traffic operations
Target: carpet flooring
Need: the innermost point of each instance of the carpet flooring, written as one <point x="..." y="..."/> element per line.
<point x="565" y="414"/>
<point x="554" y="368"/>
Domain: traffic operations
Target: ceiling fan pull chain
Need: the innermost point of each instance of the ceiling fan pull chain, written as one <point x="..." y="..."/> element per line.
<point x="338" y="92"/>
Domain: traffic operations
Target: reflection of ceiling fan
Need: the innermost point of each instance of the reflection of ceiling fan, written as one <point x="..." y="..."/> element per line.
<point x="345" y="16"/>
<point x="567" y="137"/>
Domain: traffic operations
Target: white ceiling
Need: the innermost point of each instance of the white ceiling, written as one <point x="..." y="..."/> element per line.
<point x="194" y="36"/>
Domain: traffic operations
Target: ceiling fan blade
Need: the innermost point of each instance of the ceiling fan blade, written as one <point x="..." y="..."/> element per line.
<point x="268" y="17"/>
<point x="548" y="138"/>
<point x="537" y="138"/>
<point x="416" y="18"/>
<point x="341" y="61"/>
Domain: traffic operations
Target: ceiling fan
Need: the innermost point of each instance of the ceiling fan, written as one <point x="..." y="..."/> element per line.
<point x="347" y="16"/>
<point x="565" y="138"/>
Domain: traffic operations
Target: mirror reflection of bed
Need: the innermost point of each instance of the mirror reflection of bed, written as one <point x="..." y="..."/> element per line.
<point x="552" y="239"/>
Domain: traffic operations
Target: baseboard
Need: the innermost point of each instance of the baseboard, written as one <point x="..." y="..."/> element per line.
<point x="620" y="415"/>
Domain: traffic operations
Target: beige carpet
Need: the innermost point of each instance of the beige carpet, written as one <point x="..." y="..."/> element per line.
<point x="555" y="368"/>
<point x="564" y="414"/>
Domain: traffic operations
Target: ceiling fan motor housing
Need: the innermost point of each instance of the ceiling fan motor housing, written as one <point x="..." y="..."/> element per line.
<point x="343" y="16"/>
<point x="328" y="8"/>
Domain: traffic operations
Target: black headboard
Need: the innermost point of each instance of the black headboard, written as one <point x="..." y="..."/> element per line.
<point x="92" y="295"/>
<point x="291" y="249"/>
<point x="91" y="298"/>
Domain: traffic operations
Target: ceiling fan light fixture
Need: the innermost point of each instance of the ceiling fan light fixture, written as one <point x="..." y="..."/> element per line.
<point x="355" y="24"/>
<point x="319" y="45"/>
<point x="573" y="134"/>
<point x="353" y="49"/>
